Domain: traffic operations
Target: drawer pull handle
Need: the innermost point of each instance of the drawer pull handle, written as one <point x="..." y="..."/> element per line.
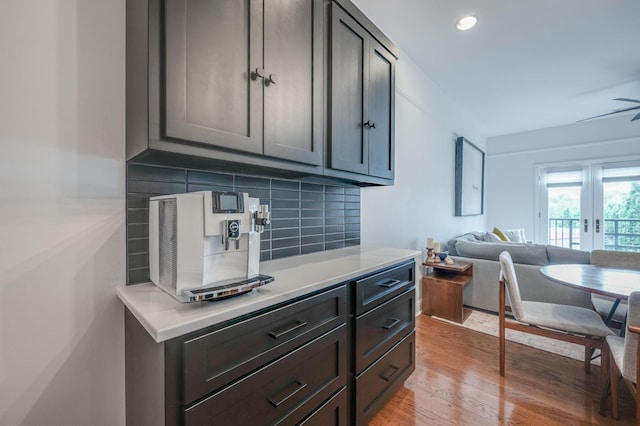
<point x="297" y="387"/>
<point x="390" y="373"/>
<point x="388" y="283"/>
<point x="278" y="334"/>
<point x="390" y="323"/>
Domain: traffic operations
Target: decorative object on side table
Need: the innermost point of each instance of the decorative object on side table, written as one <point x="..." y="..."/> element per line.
<point x="430" y="256"/>
<point x="436" y="252"/>
<point x="433" y="252"/>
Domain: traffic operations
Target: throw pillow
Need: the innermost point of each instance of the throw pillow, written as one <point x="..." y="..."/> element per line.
<point x="515" y="235"/>
<point x="500" y="234"/>
<point x="493" y="238"/>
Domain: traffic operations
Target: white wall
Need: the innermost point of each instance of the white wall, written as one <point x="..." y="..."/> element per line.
<point x="421" y="204"/>
<point x="511" y="161"/>
<point x="61" y="212"/>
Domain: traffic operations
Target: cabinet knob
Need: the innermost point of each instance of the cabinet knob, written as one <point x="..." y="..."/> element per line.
<point x="258" y="73"/>
<point x="273" y="79"/>
<point x="370" y="125"/>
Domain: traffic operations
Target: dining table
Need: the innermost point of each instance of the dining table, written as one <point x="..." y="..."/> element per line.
<point x="613" y="282"/>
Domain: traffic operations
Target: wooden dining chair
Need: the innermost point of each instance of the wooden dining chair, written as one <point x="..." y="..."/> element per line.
<point x="625" y="356"/>
<point x="572" y="324"/>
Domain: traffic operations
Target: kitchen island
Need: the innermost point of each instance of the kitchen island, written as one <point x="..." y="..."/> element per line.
<point x="349" y="313"/>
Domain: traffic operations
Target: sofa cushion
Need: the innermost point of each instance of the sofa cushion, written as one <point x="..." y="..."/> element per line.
<point x="469" y="236"/>
<point x="529" y="254"/>
<point x="563" y="255"/>
<point x="616" y="259"/>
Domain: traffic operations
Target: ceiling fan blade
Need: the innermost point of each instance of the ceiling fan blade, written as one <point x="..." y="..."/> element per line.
<point x="636" y="117"/>
<point x="597" y="116"/>
<point x="628" y="100"/>
<point x="611" y="113"/>
<point x="615" y="111"/>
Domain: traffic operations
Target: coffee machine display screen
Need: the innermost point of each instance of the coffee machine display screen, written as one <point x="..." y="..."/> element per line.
<point x="227" y="202"/>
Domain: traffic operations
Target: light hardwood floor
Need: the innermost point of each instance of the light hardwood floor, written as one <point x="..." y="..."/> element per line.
<point x="457" y="382"/>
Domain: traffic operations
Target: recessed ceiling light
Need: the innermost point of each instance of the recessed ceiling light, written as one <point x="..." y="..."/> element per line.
<point x="466" y="23"/>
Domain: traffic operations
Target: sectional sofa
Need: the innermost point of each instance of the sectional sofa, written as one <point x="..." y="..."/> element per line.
<point x="482" y="291"/>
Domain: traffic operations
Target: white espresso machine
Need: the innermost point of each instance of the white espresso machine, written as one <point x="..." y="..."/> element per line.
<point x="206" y="245"/>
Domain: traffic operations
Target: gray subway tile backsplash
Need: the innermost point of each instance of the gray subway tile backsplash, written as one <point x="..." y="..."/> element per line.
<point x="306" y="217"/>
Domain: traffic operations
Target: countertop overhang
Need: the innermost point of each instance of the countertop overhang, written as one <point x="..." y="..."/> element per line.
<point x="165" y="318"/>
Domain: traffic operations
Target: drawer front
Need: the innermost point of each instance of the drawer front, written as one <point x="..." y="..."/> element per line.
<point x="382" y="327"/>
<point x="379" y="382"/>
<point x="220" y="357"/>
<point x="376" y="289"/>
<point x="331" y="413"/>
<point x="287" y="390"/>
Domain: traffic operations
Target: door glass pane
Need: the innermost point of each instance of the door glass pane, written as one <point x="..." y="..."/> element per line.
<point x="564" y="215"/>
<point x="621" y="214"/>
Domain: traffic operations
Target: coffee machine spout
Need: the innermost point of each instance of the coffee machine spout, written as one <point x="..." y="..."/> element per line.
<point x="262" y="218"/>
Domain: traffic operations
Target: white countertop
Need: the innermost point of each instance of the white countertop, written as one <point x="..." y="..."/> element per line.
<point x="165" y="318"/>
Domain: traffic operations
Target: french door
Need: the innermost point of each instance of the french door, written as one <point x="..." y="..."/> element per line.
<point x="590" y="206"/>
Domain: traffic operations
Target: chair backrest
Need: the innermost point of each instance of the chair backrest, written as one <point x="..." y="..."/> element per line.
<point x="508" y="274"/>
<point x="631" y="339"/>
<point x="615" y="259"/>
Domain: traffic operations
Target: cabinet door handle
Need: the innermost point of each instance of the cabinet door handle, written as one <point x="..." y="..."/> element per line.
<point x="297" y="386"/>
<point x="390" y="323"/>
<point x="258" y="73"/>
<point x="278" y="334"/>
<point x="389" y="373"/>
<point x="271" y="80"/>
<point x="388" y="283"/>
<point x="370" y="125"/>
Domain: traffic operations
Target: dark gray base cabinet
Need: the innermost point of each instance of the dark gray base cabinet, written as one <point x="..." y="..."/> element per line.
<point x="277" y="366"/>
<point x="286" y="390"/>
<point x="376" y="385"/>
<point x="334" y="357"/>
<point x="383" y="323"/>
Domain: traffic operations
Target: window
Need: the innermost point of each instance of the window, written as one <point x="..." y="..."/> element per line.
<point x="590" y="206"/>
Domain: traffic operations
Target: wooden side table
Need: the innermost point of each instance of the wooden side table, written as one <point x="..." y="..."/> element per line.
<point x="442" y="290"/>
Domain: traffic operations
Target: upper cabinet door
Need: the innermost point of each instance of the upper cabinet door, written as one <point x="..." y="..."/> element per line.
<point x="381" y="111"/>
<point x="293" y="99"/>
<point x="362" y="100"/>
<point x="212" y="47"/>
<point x="349" y="150"/>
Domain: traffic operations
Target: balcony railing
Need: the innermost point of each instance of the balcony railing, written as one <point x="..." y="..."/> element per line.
<point x="619" y="234"/>
<point x="564" y="232"/>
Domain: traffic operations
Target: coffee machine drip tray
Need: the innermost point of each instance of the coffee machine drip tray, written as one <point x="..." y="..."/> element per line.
<point x="226" y="290"/>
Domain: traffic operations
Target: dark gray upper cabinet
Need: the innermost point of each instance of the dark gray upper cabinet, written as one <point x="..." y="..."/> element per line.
<point x="211" y="46"/>
<point x="293" y="106"/>
<point x="381" y="111"/>
<point x="362" y="99"/>
<point x="247" y="86"/>
<point x="246" y="75"/>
